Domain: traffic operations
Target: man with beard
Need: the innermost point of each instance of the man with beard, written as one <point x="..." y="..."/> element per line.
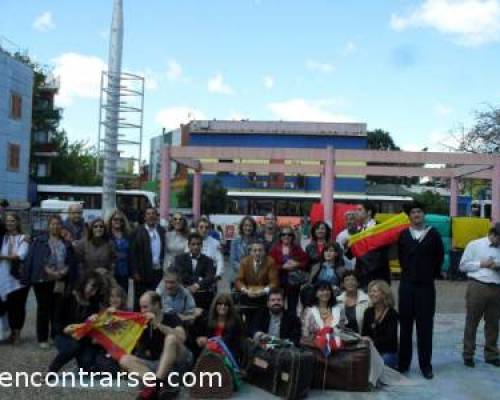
<point x="275" y="321"/>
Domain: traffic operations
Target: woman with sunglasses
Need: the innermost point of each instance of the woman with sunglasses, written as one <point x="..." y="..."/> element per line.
<point x="223" y="321"/>
<point x="292" y="262"/>
<point x="13" y="250"/>
<point x="50" y="269"/>
<point x="176" y="239"/>
<point x="120" y="231"/>
<point x="96" y="252"/>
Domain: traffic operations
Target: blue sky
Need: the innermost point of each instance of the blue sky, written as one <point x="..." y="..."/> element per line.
<point x="416" y="68"/>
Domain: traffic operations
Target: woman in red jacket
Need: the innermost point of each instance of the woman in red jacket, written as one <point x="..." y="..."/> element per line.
<point x="292" y="262"/>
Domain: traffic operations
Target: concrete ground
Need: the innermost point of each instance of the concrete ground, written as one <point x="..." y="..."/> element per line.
<point x="452" y="380"/>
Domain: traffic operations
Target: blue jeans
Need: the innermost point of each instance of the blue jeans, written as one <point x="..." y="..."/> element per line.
<point x="390" y="359"/>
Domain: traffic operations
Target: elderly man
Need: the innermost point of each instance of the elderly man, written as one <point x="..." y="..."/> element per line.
<point x="211" y="247"/>
<point x="74" y="223"/>
<point x="161" y="347"/>
<point x="481" y="262"/>
<point x="351" y="220"/>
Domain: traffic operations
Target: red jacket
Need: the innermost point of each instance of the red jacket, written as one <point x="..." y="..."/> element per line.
<point x="296" y="253"/>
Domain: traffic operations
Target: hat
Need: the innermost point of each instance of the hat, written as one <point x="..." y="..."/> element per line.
<point x="496" y="229"/>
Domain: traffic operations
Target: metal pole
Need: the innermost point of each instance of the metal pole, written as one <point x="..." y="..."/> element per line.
<point x="196" y="194"/>
<point x="329" y="183"/>
<point x="453" y="197"/>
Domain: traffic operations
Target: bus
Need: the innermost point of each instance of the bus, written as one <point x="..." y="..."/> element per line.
<point x="481" y="208"/>
<point x="131" y="202"/>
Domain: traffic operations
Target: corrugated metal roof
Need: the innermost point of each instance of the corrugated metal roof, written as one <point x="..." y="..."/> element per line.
<point x="279" y="127"/>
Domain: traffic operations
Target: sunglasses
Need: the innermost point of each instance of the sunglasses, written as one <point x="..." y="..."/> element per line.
<point x="287" y="234"/>
<point x="178" y="219"/>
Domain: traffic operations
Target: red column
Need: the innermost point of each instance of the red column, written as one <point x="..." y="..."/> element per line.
<point x="196" y="194"/>
<point x="495" y="192"/>
<point x="453" y="197"/>
<point x="165" y="173"/>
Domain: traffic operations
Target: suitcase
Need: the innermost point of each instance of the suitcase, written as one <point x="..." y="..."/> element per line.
<point x="346" y="369"/>
<point x="286" y="372"/>
<point x="211" y="362"/>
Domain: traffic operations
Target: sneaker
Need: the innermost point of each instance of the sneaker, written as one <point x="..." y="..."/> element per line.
<point x="469" y="362"/>
<point x="44" y="345"/>
<point x="495" y="362"/>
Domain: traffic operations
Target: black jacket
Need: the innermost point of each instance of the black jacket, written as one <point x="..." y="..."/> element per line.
<point x="204" y="275"/>
<point x="141" y="257"/>
<point x="290" y="327"/>
<point x="385" y="333"/>
<point x="420" y="260"/>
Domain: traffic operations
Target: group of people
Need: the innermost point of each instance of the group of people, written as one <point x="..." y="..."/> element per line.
<point x="278" y="288"/>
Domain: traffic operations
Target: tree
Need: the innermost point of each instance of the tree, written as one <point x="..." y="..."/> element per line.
<point x="380" y="140"/>
<point x="483" y="137"/>
<point x="433" y="202"/>
<point x="213" y="196"/>
<point x="75" y="163"/>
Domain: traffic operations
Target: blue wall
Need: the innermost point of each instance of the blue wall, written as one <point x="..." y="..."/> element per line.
<point x="278" y="140"/>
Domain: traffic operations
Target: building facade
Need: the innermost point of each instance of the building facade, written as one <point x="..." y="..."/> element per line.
<point x="156" y="144"/>
<point x="16" y="88"/>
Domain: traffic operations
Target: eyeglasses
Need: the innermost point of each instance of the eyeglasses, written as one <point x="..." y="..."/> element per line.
<point x="178" y="219"/>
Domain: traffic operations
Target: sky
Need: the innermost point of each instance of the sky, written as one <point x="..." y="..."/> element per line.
<point x="415" y="68"/>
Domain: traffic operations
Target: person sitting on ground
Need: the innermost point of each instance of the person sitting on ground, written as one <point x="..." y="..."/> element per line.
<point x="160" y="349"/>
<point x="275" y="321"/>
<point x="325" y="313"/>
<point x="223" y="321"/>
<point x="257" y="276"/>
<point x="354" y="302"/>
<point x="330" y="266"/>
<point x="176" y="299"/>
<point x="117" y="298"/>
<point x="197" y="272"/>
<point x="380" y="322"/>
<point x="89" y="297"/>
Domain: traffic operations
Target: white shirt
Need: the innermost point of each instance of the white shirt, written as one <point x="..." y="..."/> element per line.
<point x="154" y="238"/>
<point x="19" y="247"/>
<point x="211" y="248"/>
<point x="477" y="251"/>
<point x="194" y="262"/>
<point x="349" y="263"/>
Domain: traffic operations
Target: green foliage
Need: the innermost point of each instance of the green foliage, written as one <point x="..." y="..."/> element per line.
<point x="213" y="197"/>
<point x="380" y="140"/>
<point x="75" y="163"/>
<point x="433" y="202"/>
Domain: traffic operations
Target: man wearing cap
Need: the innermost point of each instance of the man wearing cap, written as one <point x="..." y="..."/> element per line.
<point x="481" y="262"/>
<point x="421" y="254"/>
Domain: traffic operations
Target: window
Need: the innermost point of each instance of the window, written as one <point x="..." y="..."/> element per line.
<point x="13" y="152"/>
<point x="16" y="103"/>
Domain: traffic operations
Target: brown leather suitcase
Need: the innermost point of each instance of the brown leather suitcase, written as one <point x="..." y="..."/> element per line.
<point x="346" y="369"/>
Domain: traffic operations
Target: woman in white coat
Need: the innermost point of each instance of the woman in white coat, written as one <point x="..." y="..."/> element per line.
<point x="353" y="301"/>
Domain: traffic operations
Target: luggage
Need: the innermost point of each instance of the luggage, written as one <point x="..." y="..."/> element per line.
<point x="285" y="372"/>
<point x="346" y="369"/>
<point x="212" y="362"/>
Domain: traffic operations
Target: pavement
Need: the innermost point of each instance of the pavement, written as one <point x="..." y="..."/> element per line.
<point x="452" y="379"/>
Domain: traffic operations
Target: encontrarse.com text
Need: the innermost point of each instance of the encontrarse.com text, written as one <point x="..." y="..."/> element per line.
<point x="106" y="379"/>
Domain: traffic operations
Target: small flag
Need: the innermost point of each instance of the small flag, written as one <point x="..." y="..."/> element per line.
<point x="326" y="341"/>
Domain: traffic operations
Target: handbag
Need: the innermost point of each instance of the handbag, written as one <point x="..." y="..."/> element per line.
<point x="297" y="277"/>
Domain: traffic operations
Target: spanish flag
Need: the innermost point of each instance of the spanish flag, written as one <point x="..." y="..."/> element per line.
<point x="117" y="332"/>
<point x="380" y="235"/>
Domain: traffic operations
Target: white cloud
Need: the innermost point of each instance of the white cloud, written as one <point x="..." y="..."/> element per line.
<point x="442" y="110"/>
<point x="268" y="81"/>
<point x="319" y="66"/>
<point x="469" y="22"/>
<point x="44" y="22"/>
<point x="350" y="47"/>
<point x="173" y="117"/>
<point x="306" y="110"/>
<point x="80" y="76"/>
<point x="174" y="71"/>
<point x="217" y="85"/>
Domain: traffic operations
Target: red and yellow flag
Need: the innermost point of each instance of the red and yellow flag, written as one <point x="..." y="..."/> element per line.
<point x="117" y="332"/>
<point x="379" y="235"/>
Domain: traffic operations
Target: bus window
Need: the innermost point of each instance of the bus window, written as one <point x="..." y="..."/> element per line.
<point x="261" y="207"/>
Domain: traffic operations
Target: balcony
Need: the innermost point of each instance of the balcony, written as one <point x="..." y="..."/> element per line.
<point x="45" y="150"/>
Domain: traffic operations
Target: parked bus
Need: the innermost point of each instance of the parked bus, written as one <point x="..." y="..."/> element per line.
<point x="131" y="202"/>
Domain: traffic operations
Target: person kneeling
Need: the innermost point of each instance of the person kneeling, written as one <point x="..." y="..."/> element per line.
<point x="161" y="347"/>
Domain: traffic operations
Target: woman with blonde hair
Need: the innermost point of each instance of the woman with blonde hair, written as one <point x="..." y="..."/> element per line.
<point x="119" y="231"/>
<point x="380" y="322"/>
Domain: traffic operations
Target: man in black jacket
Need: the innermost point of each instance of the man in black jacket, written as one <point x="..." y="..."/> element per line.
<point x="146" y="255"/>
<point x="421" y="254"/>
<point x="197" y="272"/>
<point x="274" y="321"/>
